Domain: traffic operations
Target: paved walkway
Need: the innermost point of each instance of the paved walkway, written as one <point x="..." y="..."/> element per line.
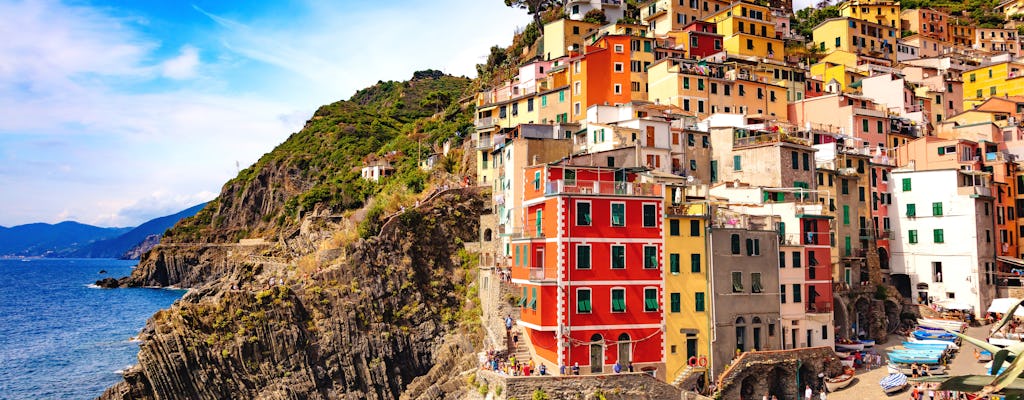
<point x="866" y="384"/>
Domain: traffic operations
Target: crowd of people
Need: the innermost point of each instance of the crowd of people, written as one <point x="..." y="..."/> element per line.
<point x="929" y="391"/>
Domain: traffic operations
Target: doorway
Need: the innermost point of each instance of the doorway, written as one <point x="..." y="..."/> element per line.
<point x="596" y="354"/>
<point x="625" y="358"/>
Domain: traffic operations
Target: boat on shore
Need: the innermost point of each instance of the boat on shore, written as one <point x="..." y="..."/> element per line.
<point x="948" y="344"/>
<point x="841" y="381"/>
<point x="867" y="342"/>
<point x="1002" y="342"/>
<point x="905" y="369"/>
<point x="922" y="334"/>
<point x="849" y="345"/>
<point x="912" y="357"/>
<point x="950" y="324"/>
<point x="893" y="383"/>
<point x="984" y="356"/>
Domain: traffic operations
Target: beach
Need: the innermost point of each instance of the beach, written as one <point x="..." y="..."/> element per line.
<point x="865" y="385"/>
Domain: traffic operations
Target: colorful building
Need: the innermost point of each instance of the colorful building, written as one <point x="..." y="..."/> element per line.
<point x="562" y="34"/>
<point x="882" y="12"/>
<point x="748" y="30"/>
<point x="866" y="39"/>
<point x="926" y="22"/>
<point x="997" y="40"/>
<point x="665" y="16"/>
<point x="999" y="79"/>
<point x="589" y="264"/>
<point x="612" y="71"/>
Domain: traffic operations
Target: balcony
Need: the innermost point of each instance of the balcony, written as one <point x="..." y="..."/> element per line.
<point x="875" y="111"/>
<point x="538" y="275"/>
<point x="774" y="134"/>
<point x="560" y="187"/>
<point x="689" y="210"/>
<point x="820" y="307"/>
<point x="484" y="143"/>
<point x="484" y="123"/>
<point x="974" y="191"/>
<point x="611" y="2"/>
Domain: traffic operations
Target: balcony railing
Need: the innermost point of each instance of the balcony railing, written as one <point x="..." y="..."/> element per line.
<point x="537" y="275"/>
<point x="561" y="186"/>
<point x="819" y="307"/>
<point x="756" y="137"/>
<point x="974" y="190"/>
<point x="483" y="123"/>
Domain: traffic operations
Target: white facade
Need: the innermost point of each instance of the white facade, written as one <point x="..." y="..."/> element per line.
<point x="953" y="254"/>
<point x="613" y="9"/>
<point x="376" y="172"/>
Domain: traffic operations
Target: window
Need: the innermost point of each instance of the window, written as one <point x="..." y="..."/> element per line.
<point x="695" y="228"/>
<point x="582" y="213"/>
<point x="794" y="160"/>
<point x="618" y="67"/>
<point x="846" y="214"/>
<point x="673" y="263"/>
<point x="583" y="256"/>
<point x="533" y="300"/>
<point x="618" y="214"/>
<point x="674" y="302"/>
<point x="695" y="262"/>
<point x="937" y="209"/>
<point x="938" y="236"/>
<point x="698" y="301"/>
<point x="737" y="282"/>
<point x="807" y="161"/>
<point x="797" y="293"/>
<point x="570" y="177"/>
<point x="911" y="210"/>
<point x="536" y="179"/>
<point x="737" y="163"/>
<point x="583" y="305"/>
<point x="912" y="234"/>
<point x="782" y="259"/>
<point x="673" y="227"/>
<point x="649" y="217"/>
<point x="755" y="283"/>
<point x="705" y="142"/>
<point x="937" y="272"/>
<point x="735" y="243"/>
<point x="782" y="294"/>
<point x="650" y="257"/>
<point x="753" y="247"/>
<point x="618" y="256"/>
<point x="650" y="300"/>
<point x="618" y="300"/>
<point x="845" y="186"/>
<point x="906" y="184"/>
<point x="617" y="88"/>
<point x="796" y="259"/>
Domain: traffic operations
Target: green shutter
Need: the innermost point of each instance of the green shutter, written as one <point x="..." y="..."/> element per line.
<point x="938" y="236"/>
<point x="937" y="209"/>
<point x="942" y="150"/>
<point x="694" y="262"/>
<point x="673" y="260"/>
<point x="911" y="210"/>
<point x="698" y="300"/>
<point x="674" y="301"/>
<point x="533" y="301"/>
<point x="906" y="184"/>
<point x="618" y="300"/>
<point x="618" y="214"/>
<point x="650" y="304"/>
<point x="846" y="215"/>
<point x="912" y="234"/>
<point x="737" y="164"/>
<point x="618" y="257"/>
<point x="522" y="300"/>
<point x="583" y="302"/>
<point x="539" y="221"/>
<point x="782" y="229"/>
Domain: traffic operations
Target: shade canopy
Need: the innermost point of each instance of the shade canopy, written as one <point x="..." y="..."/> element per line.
<point x="1004" y="304"/>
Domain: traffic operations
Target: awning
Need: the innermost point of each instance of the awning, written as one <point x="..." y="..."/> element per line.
<point x="951" y="304"/>
<point x="1003" y="305"/>
<point x="1011" y="260"/>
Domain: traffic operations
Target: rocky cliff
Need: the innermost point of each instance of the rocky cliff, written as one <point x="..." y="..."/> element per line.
<point x="363" y="326"/>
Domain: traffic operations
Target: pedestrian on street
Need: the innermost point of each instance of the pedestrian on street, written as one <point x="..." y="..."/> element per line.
<point x="808" y="392"/>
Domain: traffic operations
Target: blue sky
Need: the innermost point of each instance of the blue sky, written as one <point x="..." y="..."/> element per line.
<point x="112" y="113"/>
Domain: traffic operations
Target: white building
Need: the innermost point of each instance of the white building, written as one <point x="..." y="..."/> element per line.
<point x="376" y="170"/>
<point x="613" y="9"/>
<point x="945" y="247"/>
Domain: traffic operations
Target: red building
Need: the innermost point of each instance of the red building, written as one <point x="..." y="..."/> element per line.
<point x="588" y="264"/>
<point x="814" y="229"/>
<point x="703" y="39"/>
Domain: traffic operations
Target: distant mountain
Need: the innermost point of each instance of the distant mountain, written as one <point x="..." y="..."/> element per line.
<point x="117" y="247"/>
<point x="39" y="239"/>
<point x="73" y="239"/>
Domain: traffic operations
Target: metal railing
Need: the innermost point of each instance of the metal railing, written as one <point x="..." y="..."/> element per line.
<point x="537" y="274"/>
<point x="819" y="307"/>
<point x="561" y="186"/>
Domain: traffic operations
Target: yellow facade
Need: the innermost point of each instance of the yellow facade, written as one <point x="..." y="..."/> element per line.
<point x="559" y="35"/>
<point x="700" y="90"/>
<point x="687" y="332"/>
<point x="748" y="29"/>
<point x="864" y="38"/>
<point x="834" y="67"/>
<point x="1003" y="79"/>
<point x="882" y="12"/>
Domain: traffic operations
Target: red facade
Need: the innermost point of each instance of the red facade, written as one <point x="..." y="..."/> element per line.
<point x="818" y="275"/>
<point x="589" y="265"/>
<point x="703" y="39"/>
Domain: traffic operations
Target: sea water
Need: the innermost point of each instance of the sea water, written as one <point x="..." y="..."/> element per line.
<point x="60" y="336"/>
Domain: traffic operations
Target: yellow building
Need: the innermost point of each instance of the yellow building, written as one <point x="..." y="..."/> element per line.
<point x="665" y="16"/>
<point x="835" y="67"/>
<point x="866" y="39"/>
<point x="882" y="12"/>
<point x="702" y="88"/>
<point x="748" y="29"/>
<point x="560" y="34"/>
<point x="1002" y="79"/>
<point x="687" y="333"/>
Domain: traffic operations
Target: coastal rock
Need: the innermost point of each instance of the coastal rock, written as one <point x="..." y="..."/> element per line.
<point x="381" y="321"/>
<point x="108" y="283"/>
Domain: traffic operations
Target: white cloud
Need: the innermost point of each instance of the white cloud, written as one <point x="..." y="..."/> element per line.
<point x="183" y="66"/>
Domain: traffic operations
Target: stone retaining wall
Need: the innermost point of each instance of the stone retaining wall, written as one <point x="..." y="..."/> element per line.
<point x="637" y="385"/>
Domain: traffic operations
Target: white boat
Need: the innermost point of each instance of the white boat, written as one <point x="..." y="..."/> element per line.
<point x="1001" y="342"/>
<point x="893" y="383"/>
<point x="857" y="346"/>
<point x="839" y="382"/>
<point x="846" y="362"/>
<point x="949" y="345"/>
<point x="842" y="354"/>
<point x="906" y="370"/>
<point x="942" y="324"/>
<point x="867" y="343"/>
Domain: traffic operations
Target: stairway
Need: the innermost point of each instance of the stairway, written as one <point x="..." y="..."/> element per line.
<point x="682" y="376"/>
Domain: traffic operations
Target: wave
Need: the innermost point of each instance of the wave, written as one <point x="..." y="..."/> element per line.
<point x="93" y="286"/>
<point x="123" y="370"/>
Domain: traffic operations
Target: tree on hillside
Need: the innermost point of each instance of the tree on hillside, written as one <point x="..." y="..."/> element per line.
<point x="534" y="7"/>
<point x="805" y="20"/>
<point x="596" y="16"/>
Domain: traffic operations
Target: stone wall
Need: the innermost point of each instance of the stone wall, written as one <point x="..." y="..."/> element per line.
<point x="638" y="386"/>
<point x="782" y="373"/>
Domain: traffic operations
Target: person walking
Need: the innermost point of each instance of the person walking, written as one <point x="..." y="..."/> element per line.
<point x="808" y="392"/>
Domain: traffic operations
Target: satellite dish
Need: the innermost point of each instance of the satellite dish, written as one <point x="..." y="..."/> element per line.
<point x="689" y="179"/>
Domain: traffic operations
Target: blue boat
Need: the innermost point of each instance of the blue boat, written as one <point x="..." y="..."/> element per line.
<point x="922" y="334"/>
<point x="910" y="358"/>
<point x="893" y="383"/>
<point x="924" y="346"/>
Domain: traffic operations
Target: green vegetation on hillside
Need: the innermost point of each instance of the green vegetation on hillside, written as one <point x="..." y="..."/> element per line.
<point x="320" y="165"/>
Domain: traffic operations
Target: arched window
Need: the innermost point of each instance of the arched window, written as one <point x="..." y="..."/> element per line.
<point x="487" y="235"/>
<point x="625" y="355"/>
<point x="741" y="335"/>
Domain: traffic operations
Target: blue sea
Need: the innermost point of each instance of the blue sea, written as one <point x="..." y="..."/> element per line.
<point x="61" y="338"/>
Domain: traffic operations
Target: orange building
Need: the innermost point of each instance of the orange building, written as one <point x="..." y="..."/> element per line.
<point x="602" y="74"/>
